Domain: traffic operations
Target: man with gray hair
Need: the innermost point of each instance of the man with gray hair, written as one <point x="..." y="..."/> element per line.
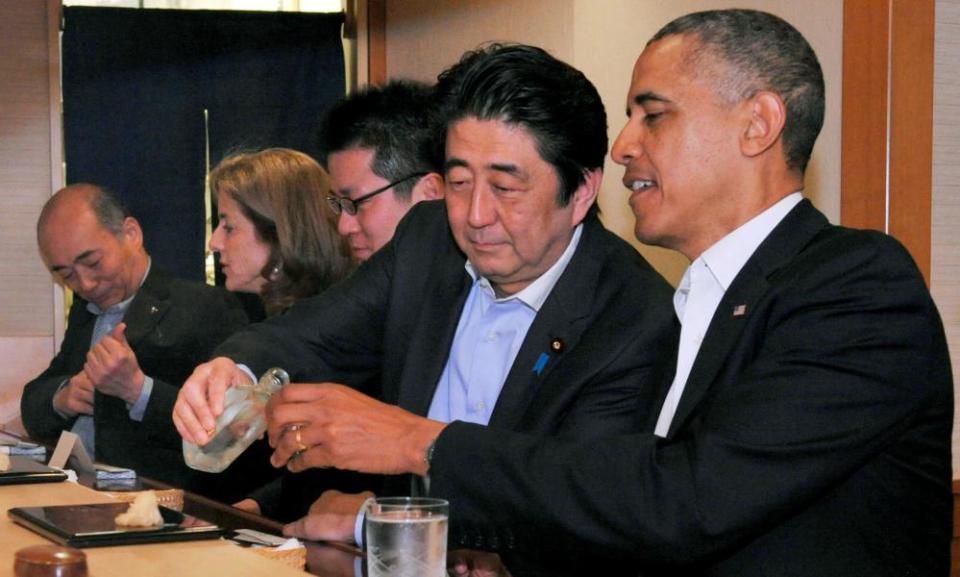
<point x="807" y="430"/>
<point x="133" y="336"/>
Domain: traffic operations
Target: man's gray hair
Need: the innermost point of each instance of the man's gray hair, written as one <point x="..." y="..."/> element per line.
<point x="763" y="52"/>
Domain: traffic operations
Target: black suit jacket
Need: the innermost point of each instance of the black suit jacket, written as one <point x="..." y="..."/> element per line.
<point x="812" y="439"/>
<point x="392" y="323"/>
<point x="172" y="326"/>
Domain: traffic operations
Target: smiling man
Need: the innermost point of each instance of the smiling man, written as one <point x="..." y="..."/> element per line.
<point x="508" y="305"/>
<point x="133" y="336"/>
<point x="807" y="430"/>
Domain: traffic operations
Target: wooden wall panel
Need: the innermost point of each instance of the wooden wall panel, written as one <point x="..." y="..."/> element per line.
<point x="866" y="85"/>
<point x="888" y="120"/>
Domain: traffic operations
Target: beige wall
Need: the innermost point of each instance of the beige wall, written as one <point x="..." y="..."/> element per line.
<point x="29" y="149"/>
<point x="603" y="38"/>
<point x="945" y="243"/>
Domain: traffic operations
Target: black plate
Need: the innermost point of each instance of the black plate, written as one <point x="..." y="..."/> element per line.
<point x="94" y="525"/>
<point x="26" y="470"/>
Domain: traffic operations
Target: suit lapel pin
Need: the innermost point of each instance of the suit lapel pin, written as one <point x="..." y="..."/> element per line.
<point x="739" y="310"/>
<point x="557" y="345"/>
<point x="154" y="309"/>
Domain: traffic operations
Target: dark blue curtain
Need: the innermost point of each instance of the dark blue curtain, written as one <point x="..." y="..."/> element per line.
<point x="136" y="84"/>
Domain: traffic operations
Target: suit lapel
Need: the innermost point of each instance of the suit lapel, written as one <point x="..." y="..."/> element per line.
<point x="560" y="321"/>
<point x="740" y="301"/>
<point x="148" y="307"/>
<point x="430" y="344"/>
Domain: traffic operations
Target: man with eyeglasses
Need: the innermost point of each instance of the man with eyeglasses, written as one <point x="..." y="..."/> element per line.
<point x="378" y="140"/>
<point x="507" y="305"/>
<point x="378" y="145"/>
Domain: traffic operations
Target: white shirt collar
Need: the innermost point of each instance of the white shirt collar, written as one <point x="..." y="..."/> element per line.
<point x="536" y="293"/>
<point x="728" y="255"/>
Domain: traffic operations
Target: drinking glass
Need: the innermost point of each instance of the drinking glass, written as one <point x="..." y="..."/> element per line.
<point x="406" y="537"/>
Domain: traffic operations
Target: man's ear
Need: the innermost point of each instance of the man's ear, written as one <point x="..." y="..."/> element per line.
<point x="767" y="115"/>
<point x="132" y="231"/>
<point x="429" y="187"/>
<point x="586" y="195"/>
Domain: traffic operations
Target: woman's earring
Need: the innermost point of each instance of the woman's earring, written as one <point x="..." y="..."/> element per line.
<point x="275" y="271"/>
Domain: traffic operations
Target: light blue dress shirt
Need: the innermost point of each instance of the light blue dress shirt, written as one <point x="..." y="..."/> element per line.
<point x="107" y="321"/>
<point x="488" y="338"/>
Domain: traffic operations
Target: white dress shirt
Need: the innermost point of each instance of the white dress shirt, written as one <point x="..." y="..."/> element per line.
<point x="703" y="286"/>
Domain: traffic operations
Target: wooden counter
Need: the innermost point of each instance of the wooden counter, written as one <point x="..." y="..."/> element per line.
<point x="186" y="559"/>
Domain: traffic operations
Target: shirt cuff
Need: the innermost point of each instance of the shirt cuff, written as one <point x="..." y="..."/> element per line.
<point x="358" y="525"/>
<point x="55" y="410"/>
<point x="246" y="369"/>
<point x="138" y="409"/>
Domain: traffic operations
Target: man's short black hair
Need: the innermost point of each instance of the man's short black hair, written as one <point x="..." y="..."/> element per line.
<point x="762" y="52"/>
<point x="396" y="121"/>
<point x="526" y="86"/>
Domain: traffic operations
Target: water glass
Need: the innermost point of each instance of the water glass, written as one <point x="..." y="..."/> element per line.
<point x="406" y="537"/>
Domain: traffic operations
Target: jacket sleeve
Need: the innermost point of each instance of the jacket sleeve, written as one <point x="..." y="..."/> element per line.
<point x="218" y="315"/>
<point x="849" y="359"/>
<point x="36" y="403"/>
<point x="336" y="335"/>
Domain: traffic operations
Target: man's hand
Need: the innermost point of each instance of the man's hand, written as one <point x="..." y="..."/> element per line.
<point x="112" y="366"/>
<point x="468" y="563"/>
<point x="331" y="425"/>
<point x="200" y="400"/>
<point x="248" y="505"/>
<point x="331" y="517"/>
<point x="76" y="398"/>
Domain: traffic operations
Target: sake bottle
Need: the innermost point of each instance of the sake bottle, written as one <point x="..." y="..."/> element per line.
<point x="242" y="422"/>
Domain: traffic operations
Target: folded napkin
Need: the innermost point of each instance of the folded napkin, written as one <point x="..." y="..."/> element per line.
<point x="110" y="473"/>
<point x="291" y="551"/>
<point x="25" y="449"/>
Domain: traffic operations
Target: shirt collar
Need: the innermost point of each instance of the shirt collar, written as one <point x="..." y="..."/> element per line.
<point x="120" y="307"/>
<point x="728" y="255"/>
<point x="536" y="293"/>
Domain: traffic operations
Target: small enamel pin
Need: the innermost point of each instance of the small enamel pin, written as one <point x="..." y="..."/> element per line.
<point x="541" y="363"/>
<point x="556" y="347"/>
<point x="739" y="310"/>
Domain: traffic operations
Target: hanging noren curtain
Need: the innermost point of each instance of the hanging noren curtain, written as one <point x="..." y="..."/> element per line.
<point x="137" y="83"/>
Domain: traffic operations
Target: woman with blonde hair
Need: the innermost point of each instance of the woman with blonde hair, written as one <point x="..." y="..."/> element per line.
<point x="276" y="236"/>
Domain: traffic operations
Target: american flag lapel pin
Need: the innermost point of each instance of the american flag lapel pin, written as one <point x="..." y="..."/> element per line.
<point x="739" y="310"/>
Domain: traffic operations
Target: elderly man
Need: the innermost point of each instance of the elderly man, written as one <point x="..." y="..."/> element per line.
<point x="133" y="336"/>
<point x="508" y="305"/>
<point x="807" y="428"/>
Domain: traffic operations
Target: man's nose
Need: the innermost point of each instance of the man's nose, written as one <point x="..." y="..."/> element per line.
<point x="83" y="282"/>
<point x="628" y="145"/>
<point x="482" y="211"/>
<point x="347" y="224"/>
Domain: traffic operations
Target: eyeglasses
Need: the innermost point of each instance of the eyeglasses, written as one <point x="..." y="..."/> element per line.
<point x="340" y="204"/>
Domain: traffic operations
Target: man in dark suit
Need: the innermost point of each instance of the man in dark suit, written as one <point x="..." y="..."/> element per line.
<point x="379" y="146"/>
<point x="507" y="305"/>
<point x="133" y="336"/>
<point x="807" y="429"/>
